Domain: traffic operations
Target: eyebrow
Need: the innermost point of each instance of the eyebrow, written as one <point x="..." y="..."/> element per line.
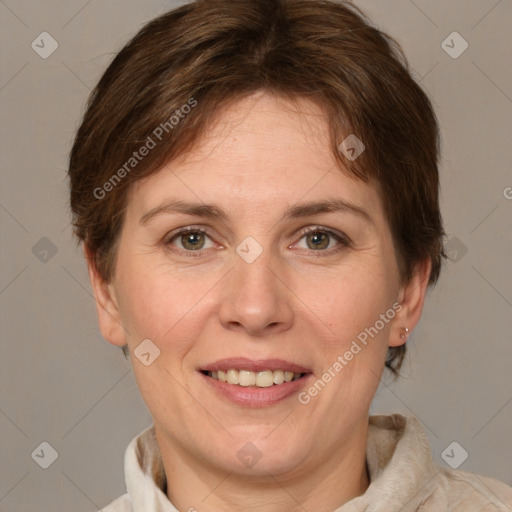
<point x="294" y="212"/>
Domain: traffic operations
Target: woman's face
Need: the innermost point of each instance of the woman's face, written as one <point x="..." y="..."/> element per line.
<point x="284" y="262"/>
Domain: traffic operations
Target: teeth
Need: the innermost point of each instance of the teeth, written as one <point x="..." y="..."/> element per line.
<point x="265" y="379"/>
<point x="278" y="377"/>
<point x="246" y="378"/>
<point x="232" y="377"/>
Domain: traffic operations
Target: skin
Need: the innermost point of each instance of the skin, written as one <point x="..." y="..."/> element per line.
<point x="294" y="302"/>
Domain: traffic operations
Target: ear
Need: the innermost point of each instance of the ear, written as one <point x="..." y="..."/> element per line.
<point x="411" y="297"/>
<point x="107" y="308"/>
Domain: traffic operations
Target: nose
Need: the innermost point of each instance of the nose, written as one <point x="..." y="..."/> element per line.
<point x="256" y="298"/>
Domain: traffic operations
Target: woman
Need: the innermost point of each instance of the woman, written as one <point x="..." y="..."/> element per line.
<point x="256" y="187"/>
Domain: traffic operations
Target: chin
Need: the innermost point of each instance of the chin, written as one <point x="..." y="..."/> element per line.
<point x="262" y="451"/>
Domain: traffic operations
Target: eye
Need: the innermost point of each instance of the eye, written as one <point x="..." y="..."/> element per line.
<point x="319" y="239"/>
<point x="190" y="239"/>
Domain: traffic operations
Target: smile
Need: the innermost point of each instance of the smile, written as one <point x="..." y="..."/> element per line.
<point x="255" y="383"/>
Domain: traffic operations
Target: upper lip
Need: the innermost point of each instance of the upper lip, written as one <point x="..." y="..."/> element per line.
<point x="254" y="365"/>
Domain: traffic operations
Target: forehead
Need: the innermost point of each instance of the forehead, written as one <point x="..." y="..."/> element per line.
<point x="262" y="150"/>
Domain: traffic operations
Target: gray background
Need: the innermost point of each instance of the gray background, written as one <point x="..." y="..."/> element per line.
<point x="61" y="383"/>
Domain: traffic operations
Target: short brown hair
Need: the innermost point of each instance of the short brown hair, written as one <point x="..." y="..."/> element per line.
<point x="209" y="53"/>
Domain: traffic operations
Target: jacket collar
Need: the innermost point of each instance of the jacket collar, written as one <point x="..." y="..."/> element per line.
<point x="399" y="463"/>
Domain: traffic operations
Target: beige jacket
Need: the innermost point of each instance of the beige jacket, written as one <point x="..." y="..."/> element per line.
<point x="402" y="474"/>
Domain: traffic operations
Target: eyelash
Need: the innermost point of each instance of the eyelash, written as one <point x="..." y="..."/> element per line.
<point x="342" y="239"/>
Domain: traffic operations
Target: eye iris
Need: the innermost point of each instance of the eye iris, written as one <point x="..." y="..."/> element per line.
<point x="194" y="240"/>
<point x="317" y="240"/>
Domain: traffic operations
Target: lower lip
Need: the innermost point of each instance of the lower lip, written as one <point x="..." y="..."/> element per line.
<point x="254" y="396"/>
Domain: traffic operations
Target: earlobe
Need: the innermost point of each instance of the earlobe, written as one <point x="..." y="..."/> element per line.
<point x="411" y="298"/>
<point x="107" y="308"/>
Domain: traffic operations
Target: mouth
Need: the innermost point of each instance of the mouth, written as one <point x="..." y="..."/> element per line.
<point x="255" y="383"/>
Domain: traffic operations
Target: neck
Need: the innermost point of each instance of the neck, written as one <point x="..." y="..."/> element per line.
<point x="323" y="486"/>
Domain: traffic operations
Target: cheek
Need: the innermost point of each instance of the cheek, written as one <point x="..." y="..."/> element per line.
<point x="348" y="302"/>
<point x="161" y="307"/>
<point x="164" y="310"/>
